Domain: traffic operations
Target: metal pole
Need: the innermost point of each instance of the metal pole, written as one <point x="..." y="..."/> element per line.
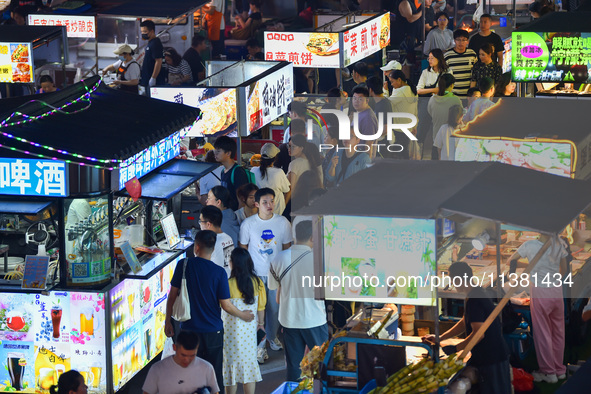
<point x="514" y="13"/>
<point x="61" y="225"/>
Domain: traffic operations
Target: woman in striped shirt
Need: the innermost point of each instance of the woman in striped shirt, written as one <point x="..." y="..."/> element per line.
<point x="179" y="71"/>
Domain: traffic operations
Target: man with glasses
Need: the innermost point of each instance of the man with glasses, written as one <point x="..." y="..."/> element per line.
<point x="460" y="60"/>
<point x="441" y="37"/>
<point x="210" y="218"/>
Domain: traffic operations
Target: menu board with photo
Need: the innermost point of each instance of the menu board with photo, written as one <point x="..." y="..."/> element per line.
<point x="551" y="57"/>
<point x="379" y="259"/>
<point x="367" y="38"/>
<point x="43" y="336"/>
<point x="217" y="104"/>
<point x="551" y="157"/>
<point x="16" y="62"/>
<point x="138" y="310"/>
<point x="319" y="50"/>
<point x="269" y="97"/>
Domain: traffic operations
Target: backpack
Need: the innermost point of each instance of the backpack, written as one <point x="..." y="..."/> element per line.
<point x="249" y="175"/>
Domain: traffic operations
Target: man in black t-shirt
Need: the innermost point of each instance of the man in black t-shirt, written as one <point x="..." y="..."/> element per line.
<point x="233" y="175"/>
<point x="484" y="36"/>
<point x="152" y="71"/>
<point x="490" y="355"/>
<point x="193" y="57"/>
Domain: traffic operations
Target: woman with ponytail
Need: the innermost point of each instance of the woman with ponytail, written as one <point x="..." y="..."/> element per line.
<point x="404" y="99"/>
<point x="71" y="382"/>
<point x="439" y="106"/>
<point x="247" y="291"/>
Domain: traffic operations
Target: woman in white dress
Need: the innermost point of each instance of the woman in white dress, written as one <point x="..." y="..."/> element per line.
<point x="247" y="291"/>
<point x="268" y="176"/>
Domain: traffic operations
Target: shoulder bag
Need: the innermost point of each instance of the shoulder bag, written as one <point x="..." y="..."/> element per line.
<point x="181" y="310"/>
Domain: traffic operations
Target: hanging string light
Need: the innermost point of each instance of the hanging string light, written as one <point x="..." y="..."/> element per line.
<point x="54" y="110"/>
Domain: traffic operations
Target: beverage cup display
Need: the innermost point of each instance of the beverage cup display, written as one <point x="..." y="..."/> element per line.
<point x="96" y="371"/>
<point x="87" y="322"/>
<point x="46" y="378"/>
<point x="88" y="376"/>
<point x="16" y="369"/>
<point x="15" y="320"/>
<point x="130" y="299"/>
<point x="148" y="342"/>
<point x="56" y="318"/>
<point x="59" y="370"/>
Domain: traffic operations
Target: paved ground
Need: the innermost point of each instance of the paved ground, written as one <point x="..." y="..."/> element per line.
<point x="273" y="372"/>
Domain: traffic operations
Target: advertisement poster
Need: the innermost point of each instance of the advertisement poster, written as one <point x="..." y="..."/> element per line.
<point x="366" y="39"/>
<point x="553" y="158"/>
<point x="217" y="104"/>
<point x="138" y="310"/>
<point x="16" y="62"/>
<point x="269" y="97"/>
<point x="33" y="177"/>
<point x="551" y="57"/>
<point x="319" y="50"/>
<point x="43" y="336"/>
<point x="379" y="259"/>
<point x="35" y="274"/>
<point x="76" y="26"/>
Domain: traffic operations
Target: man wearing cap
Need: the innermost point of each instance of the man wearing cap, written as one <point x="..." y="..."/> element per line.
<point x="267" y="175"/>
<point x="127" y="69"/>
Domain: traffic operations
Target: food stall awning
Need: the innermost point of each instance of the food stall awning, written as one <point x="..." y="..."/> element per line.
<point x="93" y="123"/>
<point x="172" y="178"/>
<point x="424" y="189"/>
<point x="36" y="35"/>
<point x="153" y="8"/>
<point x="23" y="207"/>
<point x="560" y="22"/>
<point x="548" y="121"/>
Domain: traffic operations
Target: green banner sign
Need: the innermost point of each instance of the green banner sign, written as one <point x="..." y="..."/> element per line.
<point x="551" y="57"/>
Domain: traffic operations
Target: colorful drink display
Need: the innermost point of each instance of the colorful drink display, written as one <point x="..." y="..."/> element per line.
<point x="137" y="312"/>
<point x="43" y="336"/>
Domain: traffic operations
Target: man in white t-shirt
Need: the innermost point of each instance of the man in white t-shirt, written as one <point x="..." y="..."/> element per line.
<point x="210" y="218"/>
<point x="182" y="373"/>
<point x="303" y="318"/>
<point x="265" y="235"/>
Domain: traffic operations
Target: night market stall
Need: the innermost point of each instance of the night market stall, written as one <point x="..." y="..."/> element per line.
<point x="397" y="230"/>
<point x="23" y="49"/>
<point x="237" y="98"/>
<point x="554" y="52"/>
<point x="87" y="176"/>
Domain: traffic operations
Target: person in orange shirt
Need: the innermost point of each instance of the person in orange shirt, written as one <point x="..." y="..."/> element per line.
<point x="214" y="20"/>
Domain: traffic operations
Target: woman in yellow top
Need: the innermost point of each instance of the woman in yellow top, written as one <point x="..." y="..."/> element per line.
<point x="247" y="291"/>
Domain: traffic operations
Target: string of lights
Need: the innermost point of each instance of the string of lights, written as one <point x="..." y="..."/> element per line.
<point x="85" y="97"/>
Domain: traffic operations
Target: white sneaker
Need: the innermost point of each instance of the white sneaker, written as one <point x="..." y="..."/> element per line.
<point x="262" y="355"/>
<point x="544" y="377"/>
<point x="560" y="377"/>
<point x="275" y="344"/>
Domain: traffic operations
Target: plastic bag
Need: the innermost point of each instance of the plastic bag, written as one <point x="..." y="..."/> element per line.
<point x="522" y="381"/>
<point x="168" y="350"/>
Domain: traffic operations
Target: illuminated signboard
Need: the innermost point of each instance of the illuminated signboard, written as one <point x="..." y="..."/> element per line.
<point x="33" y="177"/>
<point x="398" y="253"/>
<point x="43" y="336"/>
<point x="16" y="62"/>
<point x="550" y="157"/>
<point x="269" y="97"/>
<point x="507" y="58"/>
<point x="218" y="106"/>
<point x="320" y="50"/>
<point x="551" y="57"/>
<point x="150" y="158"/>
<point x="138" y="310"/>
<point x="76" y="26"/>
<point x="367" y="38"/>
